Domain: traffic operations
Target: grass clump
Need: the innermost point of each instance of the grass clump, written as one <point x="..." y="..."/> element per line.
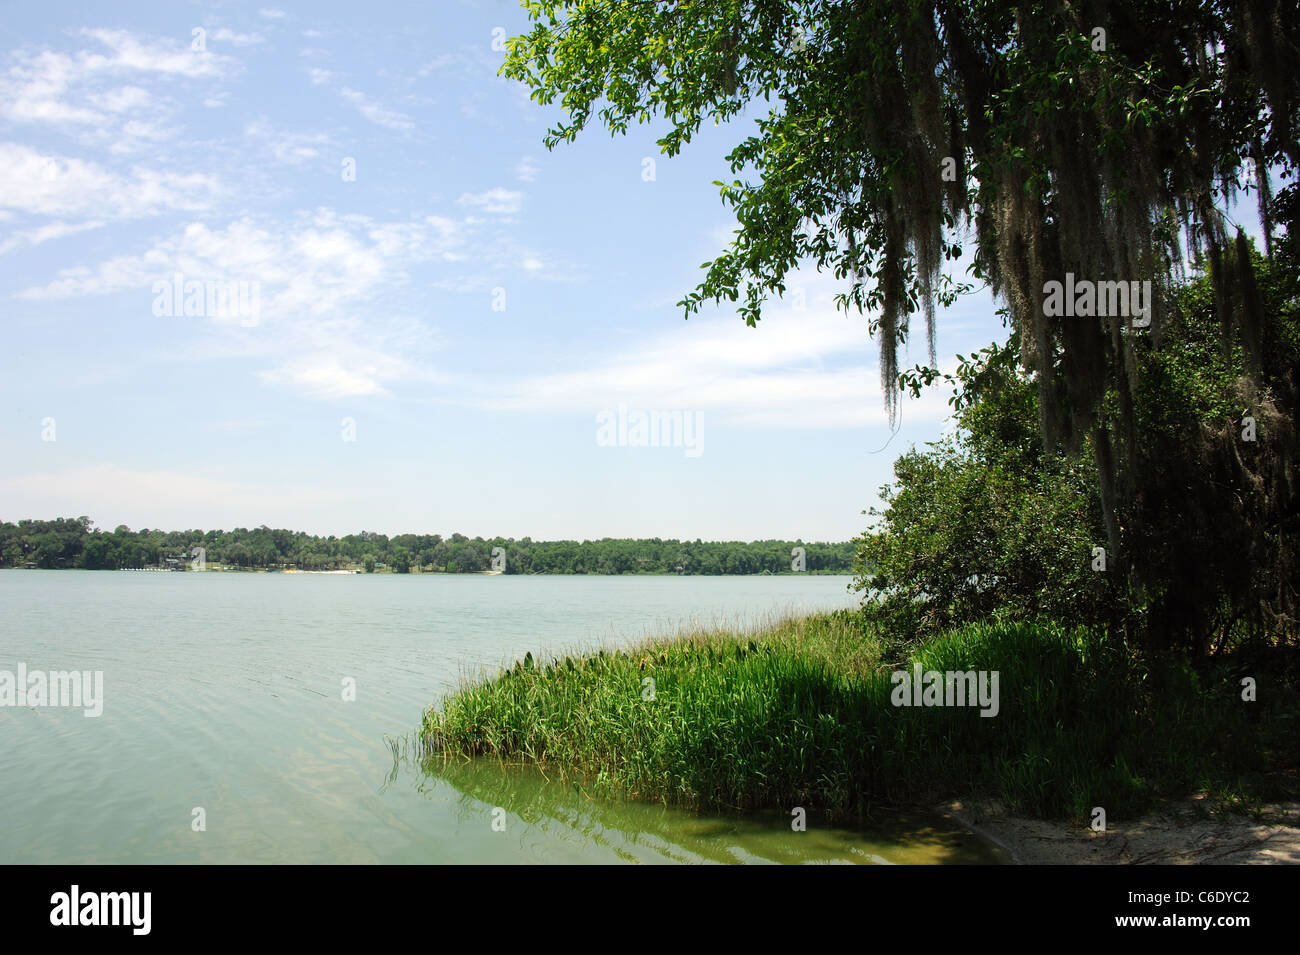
<point x="800" y="714"/>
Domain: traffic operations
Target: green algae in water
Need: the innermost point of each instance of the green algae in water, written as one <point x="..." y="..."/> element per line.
<point x="521" y="800"/>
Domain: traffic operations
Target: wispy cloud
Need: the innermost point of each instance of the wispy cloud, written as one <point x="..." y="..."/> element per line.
<point x="376" y="112"/>
<point x="38" y="236"/>
<point x="50" y="87"/>
<point x="329" y="288"/>
<point x="498" y="201"/>
<point x="371" y="109"/>
<point x="810" y="368"/>
<point x="120" y="95"/>
<point x="227" y="35"/>
<point x="44" y="184"/>
<point x="357" y="372"/>
<point x="290" y="148"/>
<point x="318" y="263"/>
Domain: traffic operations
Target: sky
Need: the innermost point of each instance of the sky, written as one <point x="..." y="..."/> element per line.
<point x="438" y="325"/>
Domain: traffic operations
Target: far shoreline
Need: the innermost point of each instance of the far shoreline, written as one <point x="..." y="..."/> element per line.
<point x="383" y="572"/>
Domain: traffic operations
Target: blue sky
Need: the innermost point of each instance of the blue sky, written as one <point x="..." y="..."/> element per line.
<point x="129" y="156"/>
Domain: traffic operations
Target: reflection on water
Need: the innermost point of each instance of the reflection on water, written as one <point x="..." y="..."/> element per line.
<point x="538" y="812"/>
<point x="223" y="692"/>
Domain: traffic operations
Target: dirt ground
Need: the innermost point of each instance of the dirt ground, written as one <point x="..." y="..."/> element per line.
<point x="1182" y="834"/>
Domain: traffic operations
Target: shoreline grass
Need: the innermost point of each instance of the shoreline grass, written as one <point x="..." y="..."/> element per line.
<point x="798" y="713"/>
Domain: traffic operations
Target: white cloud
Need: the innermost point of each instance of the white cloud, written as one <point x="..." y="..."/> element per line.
<point x="330" y="320"/>
<point x="811" y="368"/>
<point x="442" y="61"/>
<point x="318" y="263"/>
<point x="329" y="375"/>
<point x="289" y="148"/>
<point x="470" y="60"/>
<point x="323" y="376"/>
<point x="527" y="169"/>
<point x="238" y="39"/>
<point x="272" y="13"/>
<point x="137" y="133"/>
<point x="54" y="230"/>
<point x="376" y="112"/>
<point x="101" y="95"/>
<point x="122" y="99"/>
<point x="50" y="185"/>
<point x="498" y="201"/>
<point x="130" y="52"/>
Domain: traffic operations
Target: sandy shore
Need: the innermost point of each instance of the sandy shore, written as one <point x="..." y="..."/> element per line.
<point x="1182" y="834"/>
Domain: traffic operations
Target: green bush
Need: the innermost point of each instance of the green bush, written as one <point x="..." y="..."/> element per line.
<point x="986" y="523"/>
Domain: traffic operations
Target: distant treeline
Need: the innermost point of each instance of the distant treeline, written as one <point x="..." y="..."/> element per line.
<point x="77" y="543"/>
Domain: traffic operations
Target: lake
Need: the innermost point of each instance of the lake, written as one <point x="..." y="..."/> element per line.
<point x="225" y="693"/>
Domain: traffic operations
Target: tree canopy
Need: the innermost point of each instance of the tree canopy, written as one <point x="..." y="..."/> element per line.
<point x="987" y="522"/>
<point x="1056" y="140"/>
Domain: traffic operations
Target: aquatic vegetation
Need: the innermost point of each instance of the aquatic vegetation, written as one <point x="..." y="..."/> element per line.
<point x="800" y="714"/>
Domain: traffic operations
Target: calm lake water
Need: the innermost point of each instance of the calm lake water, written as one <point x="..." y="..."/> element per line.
<point x="225" y="692"/>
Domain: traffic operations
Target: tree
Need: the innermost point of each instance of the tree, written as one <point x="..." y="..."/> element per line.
<point x="100" y="553"/>
<point x="990" y="522"/>
<point x="1093" y="140"/>
<point x="986" y="522"/>
<point x="49" y="551"/>
<point x="1216" y="514"/>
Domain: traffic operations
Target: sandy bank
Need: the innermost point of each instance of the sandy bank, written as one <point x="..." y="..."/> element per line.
<point x="1181" y="834"/>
